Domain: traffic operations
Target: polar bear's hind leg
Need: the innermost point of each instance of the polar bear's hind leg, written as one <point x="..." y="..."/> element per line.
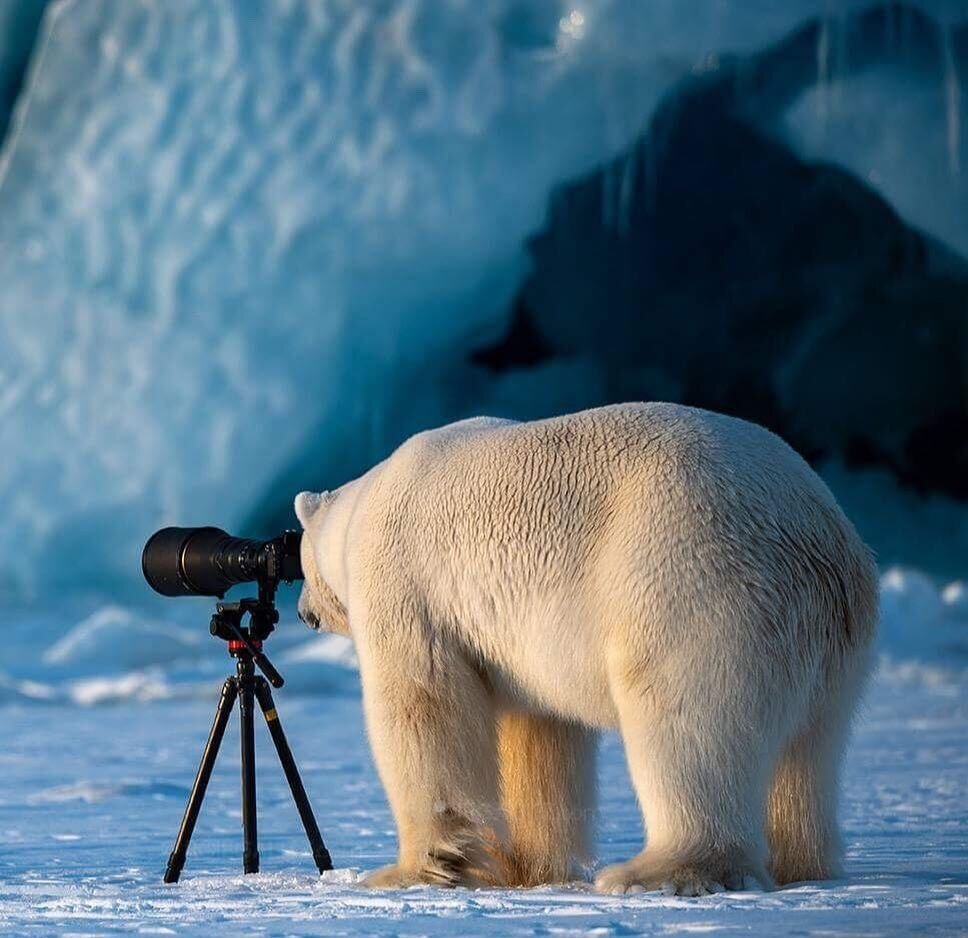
<point x="802" y="824"/>
<point x="701" y="773"/>
<point x="802" y="809"/>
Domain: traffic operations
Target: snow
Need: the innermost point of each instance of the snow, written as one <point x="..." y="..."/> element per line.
<point x="85" y="840"/>
<point x="96" y="768"/>
<point x="131" y="641"/>
<point x="906" y="596"/>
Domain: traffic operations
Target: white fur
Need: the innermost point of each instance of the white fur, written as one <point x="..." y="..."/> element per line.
<point x="677" y="574"/>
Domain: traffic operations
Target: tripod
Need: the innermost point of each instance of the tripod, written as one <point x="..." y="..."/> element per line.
<point x="245" y="645"/>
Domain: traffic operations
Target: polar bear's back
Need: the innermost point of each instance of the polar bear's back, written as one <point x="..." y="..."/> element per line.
<point x="636" y="526"/>
<point x="579" y="458"/>
<point x="651" y="477"/>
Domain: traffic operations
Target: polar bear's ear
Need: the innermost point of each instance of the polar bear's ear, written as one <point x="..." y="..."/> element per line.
<point x="307" y="504"/>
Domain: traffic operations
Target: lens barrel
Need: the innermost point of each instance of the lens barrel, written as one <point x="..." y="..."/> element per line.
<point x="203" y="561"/>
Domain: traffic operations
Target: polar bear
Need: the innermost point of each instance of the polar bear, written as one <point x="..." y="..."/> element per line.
<point x="514" y="588"/>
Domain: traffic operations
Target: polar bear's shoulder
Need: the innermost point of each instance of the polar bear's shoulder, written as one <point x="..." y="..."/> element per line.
<point x="463" y="428"/>
<point x="439" y="440"/>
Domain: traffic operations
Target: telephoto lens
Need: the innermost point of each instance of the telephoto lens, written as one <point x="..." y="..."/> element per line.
<point x="208" y="561"/>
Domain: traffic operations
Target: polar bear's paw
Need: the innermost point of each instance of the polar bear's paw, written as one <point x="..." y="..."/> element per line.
<point x="462" y="860"/>
<point x="393" y="877"/>
<point x="689" y="878"/>
<point x="434" y="873"/>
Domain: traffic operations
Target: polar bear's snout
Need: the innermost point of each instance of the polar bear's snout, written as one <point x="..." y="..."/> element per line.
<point x="319" y="606"/>
<point x="305" y="607"/>
<point x="309" y="608"/>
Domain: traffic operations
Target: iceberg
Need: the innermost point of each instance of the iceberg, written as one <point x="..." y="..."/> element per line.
<point x="246" y="248"/>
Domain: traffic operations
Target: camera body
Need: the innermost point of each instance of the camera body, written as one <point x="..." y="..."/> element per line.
<point x="207" y="561"/>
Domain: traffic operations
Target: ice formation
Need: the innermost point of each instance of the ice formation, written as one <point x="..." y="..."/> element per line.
<point x="240" y="237"/>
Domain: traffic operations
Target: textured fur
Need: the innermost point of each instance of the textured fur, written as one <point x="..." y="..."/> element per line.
<point x="511" y="588"/>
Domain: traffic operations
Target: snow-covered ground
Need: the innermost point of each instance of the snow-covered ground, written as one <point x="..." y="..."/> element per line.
<point x="95" y="770"/>
<point x="92" y="799"/>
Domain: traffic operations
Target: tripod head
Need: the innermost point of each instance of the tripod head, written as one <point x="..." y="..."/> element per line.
<point x="207" y="562"/>
<point x="245" y="641"/>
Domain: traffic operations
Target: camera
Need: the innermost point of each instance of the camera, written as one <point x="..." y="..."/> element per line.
<point x="207" y="561"/>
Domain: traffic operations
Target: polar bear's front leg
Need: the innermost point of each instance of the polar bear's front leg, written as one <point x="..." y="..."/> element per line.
<point x="431" y="724"/>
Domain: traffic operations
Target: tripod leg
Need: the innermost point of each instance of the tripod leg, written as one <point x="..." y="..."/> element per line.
<point x="250" y="853"/>
<point x="320" y="853"/>
<point x="177" y="859"/>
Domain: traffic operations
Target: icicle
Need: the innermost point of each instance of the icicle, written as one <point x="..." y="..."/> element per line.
<point x="905" y="34"/>
<point x="840" y="61"/>
<point x="626" y="192"/>
<point x="650" y="175"/>
<point x="952" y="99"/>
<point x="823" y="70"/>
<point x="608" y="195"/>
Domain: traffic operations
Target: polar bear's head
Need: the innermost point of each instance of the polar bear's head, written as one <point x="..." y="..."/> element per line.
<point x="319" y="606"/>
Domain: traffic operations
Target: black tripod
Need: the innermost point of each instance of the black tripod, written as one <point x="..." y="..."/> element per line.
<point x="245" y="645"/>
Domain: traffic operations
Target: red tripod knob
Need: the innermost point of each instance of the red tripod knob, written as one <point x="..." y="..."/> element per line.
<point x="237" y="645"/>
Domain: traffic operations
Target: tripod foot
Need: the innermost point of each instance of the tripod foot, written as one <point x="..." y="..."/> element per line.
<point x="322" y="859"/>
<point x="174" y="868"/>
